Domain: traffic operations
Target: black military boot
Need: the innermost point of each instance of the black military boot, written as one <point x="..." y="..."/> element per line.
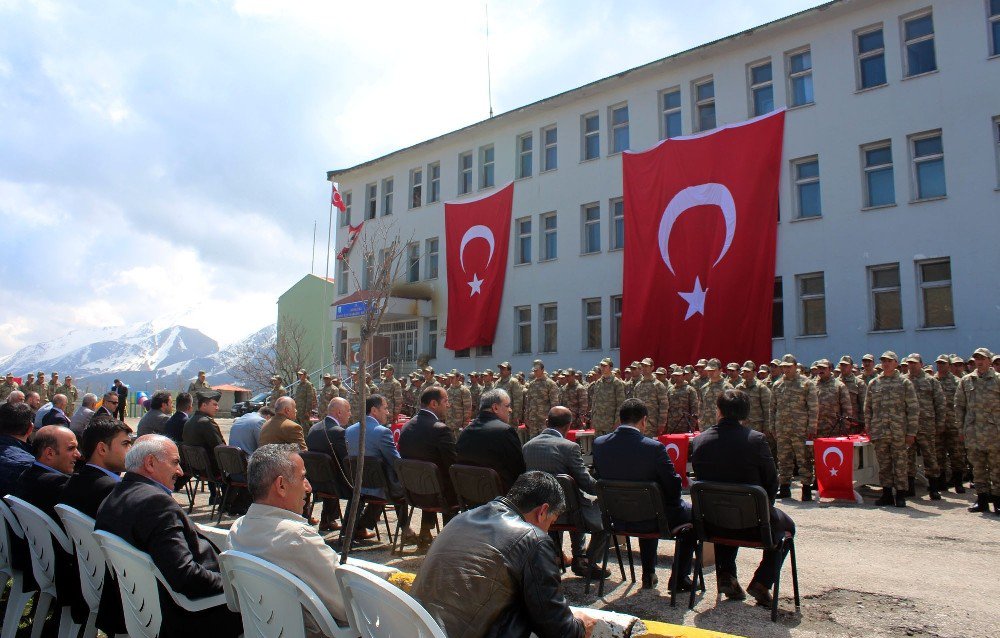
<point x="956" y="478"/>
<point x="996" y="505"/>
<point x="900" y="499"/>
<point x="785" y="491"/>
<point x="886" y="498"/>
<point x="911" y="489"/>
<point x="932" y="488"/>
<point x="807" y="493"/>
<point x="982" y="504"/>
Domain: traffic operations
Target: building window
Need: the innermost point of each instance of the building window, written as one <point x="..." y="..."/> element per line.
<point x="869" y="48"/>
<point x="343" y="275"/>
<point x="617" y="207"/>
<point x="431" y="249"/>
<point x="918" y="33"/>
<point x="812" y="304"/>
<point x="548" y="237"/>
<point x="344" y="216"/>
<point x="371" y="191"/>
<point x="807" y="195"/>
<point x="800" y="78"/>
<point x="432" y="338"/>
<point x="592" y="338"/>
<point x="704" y="105"/>
<point x="524" y="240"/>
<point x="616" y="321"/>
<point x="464" y="353"/>
<point x="342" y="345"/>
<point x="887" y="307"/>
<point x="387" y="196"/>
<point x="368" y="272"/>
<point x="465" y="173"/>
<point x="994" y="27"/>
<point x="591" y="214"/>
<point x="549" y="330"/>
<point x="761" y="89"/>
<point x="670" y="106"/>
<point x="522" y="343"/>
<point x="525" y="144"/>
<point x="486" y="166"/>
<point x="935" y="293"/>
<point x="996" y="141"/>
<point x="928" y="165"/>
<point x="434" y="183"/>
<point x="879" y="187"/>
<point x="778" y="311"/>
<point x="484" y="351"/>
<point x="591" y="136"/>
<point x="618" y="121"/>
<point x="413" y="262"/>
<point x="550" y="140"/>
<point x="416" y="188"/>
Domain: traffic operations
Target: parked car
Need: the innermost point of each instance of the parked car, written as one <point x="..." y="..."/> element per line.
<point x="250" y="405"/>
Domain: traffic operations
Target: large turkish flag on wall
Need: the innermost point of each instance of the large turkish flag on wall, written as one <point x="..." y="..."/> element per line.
<point x="700" y="237"/>
<point x="477" y="234"/>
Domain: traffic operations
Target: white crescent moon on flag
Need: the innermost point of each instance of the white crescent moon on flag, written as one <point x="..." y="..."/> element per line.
<point x="710" y="194"/>
<point x="676" y="449"/>
<point x="476" y="232"/>
<point x="833" y="450"/>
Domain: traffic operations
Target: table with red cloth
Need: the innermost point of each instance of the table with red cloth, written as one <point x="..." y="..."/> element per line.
<point x="834" y="455"/>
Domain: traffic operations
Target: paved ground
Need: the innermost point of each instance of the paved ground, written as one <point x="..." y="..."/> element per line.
<point x="928" y="571"/>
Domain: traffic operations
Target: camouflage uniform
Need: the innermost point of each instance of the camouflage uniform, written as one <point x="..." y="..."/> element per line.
<point x="834" y="402"/>
<point x="35" y="387"/>
<point x="683" y="406"/>
<point x="196" y="386"/>
<point x="357" y="408"/>
<point x="857" y="389"/>
<point x="459" y="407"/>
<point x="327" y="394"/>
<point x="794" y="412"/>
<point x="276" y="393"/>
<point x="892" y="412"/>
<point x="541" y="396"/>
<point x="950" y="448"/>
<point x="410" y="399"/>
<point x="71" y="394"/>
<point x="574" y="396"/>
<point x="476" y="390"/>
<point x="710" y="394"/>
<point x="608" y="396"/>
<point x="305" y="402"/>
<point x="977" y="414"/>
<point x="654" y="394"/>
<point x="6" y="388"/>
<point x="51" y="390"/>
<point x="931" y="399"/>
<point x="513" y="387"/>
<point x="392" y="390"/>
<point x="760" y="406"/>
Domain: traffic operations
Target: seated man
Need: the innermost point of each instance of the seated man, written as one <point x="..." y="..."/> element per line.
<point x="732" y="453"/>
<point x="109" y="405"/>
<point x="245" y="431"/>
<point x="57" y="414"/>
<point x="142" y="511"/>
<point x="327" y="437"/>
<point x="81" y="418"/>
<point x="173" y="429"/>
<point x="273" y="530"/>
<point x="282" y="427"/>
<point x="155" y="421"/>
<point x="626" y="455"/>
<point x="202" y="431"/>
<point x="426" y="437"/>
<point x="490" y="440"/>
<point x="493" y="570"/>
<point x="15" y="452"/>
<point x="552" y="452"/>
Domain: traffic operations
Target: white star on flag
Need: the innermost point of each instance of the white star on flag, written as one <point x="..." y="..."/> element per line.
<point x="695" y="299"/>
<point x="476" y="284"/>
<point x="833" y="471"/>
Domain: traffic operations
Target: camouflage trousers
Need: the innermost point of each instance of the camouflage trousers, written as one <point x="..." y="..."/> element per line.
<point x="950" y="452"/>
<point x="986" y="469"/>
<point x="535" y="426"/>
<point x="890" y="453"/>
<point x="304" y="422"/>
<point x="678" y="425"/>
<point x="791" y="442"/>
<point x="926" y="444"/>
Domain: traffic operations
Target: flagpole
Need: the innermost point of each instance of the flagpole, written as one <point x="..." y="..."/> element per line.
<point x="326" y="299"/>
<point x="312" y="266"/>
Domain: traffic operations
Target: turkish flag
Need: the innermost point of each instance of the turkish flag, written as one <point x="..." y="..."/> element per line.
<point x="700" y="236"/>
<point x="477" y="234"/>
<point x="677" y="450"/>
<point x="336" y="199"/>
<point x="834" y="465"/>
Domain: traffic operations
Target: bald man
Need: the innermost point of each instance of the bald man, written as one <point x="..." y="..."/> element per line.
<point x="327" y="437"/>
<point x="282" y="427"/>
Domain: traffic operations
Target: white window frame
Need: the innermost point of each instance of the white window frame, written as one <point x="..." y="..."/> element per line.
<point x="614" y="128"/>
<point x="433" y="182"/>
<point x="343" y="276"/>
<point x="704" y="103"/>
<point x="616" y="321"/>
<point x="804" y="297"/>
<point x="585" y="225"/>
<point x="413" y="261"/>
<point x="915" y="161"/>
<point x="759" y="86"/>
<point x="345" y="216"/>
<point x="432" y="337"/>
<point x="465" y="170"/>
<point x="867" y="203"/>
<point x="992" y="22"/>
<point x="388" y="185"/>
<point x="859" y="57"/>
<point x="804" y="74"/>
<point x="416" y="188"/>
<point x="590" y="318"/>
<point x="543" y="324"/>
<point x="874" y="291"/>
<point x="616" y="211"/>
<point x="925" y="285"/>
<point x="487" y="166"/>
<point x="797" y="183"/>
<point x="547" y="146"/>
<point x="371" y="200"/>
<point x="995" y="132"/>
<point x="484" y="351"/>
<point x="668" y="111"/>
<point x="432" y="263"/>
<point x="543" y="232"/>
<point x="586" y="135"/>
<point x="520" y="322"/>
<point x="918" y="40"/>
<point x="367" y="270"/>
<point x="521" y="236"/>
<point x="525" y="155"/>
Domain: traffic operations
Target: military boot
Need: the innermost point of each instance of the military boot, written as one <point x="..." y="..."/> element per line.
<point x="900" y="499"/>
<point x="911" y="489"/>
<point x="996" y="505"/>
<point x="956" y="478"/>
<point x="932" y="489"/>
<point x="886" y="498"/>
<point x="807" y="493"/>
<point x="785" y="491"/>
<point x="982" y="504"/>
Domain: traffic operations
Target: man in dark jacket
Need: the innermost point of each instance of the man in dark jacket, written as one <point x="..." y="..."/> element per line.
<point x="494" y="570"/>
<point x="57" y="414"/>
<point x="732" y="453"/>
<point x="626" y="455"/>
<point x="202" y="431"/>
<point x="16" y="426"/>
<point x="426" y="438"/>
<point x="109" y="404"/>
<point x="122" y="390"/>
<point x="173" y="429"/>
<point x="327" y="437"/>
<point x="490" y="440"/>
<point x="155" y="421"/>
<point x="142" y="511"/>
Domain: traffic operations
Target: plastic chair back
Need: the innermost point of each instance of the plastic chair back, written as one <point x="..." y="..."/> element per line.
<point x="321" y="472"/>
<point x="199" y="463"/>
<point x="475" y="486"/>
<point x="731" y="514"/>
<point x="271" y="600"/>
<point x="40" y="530"/>
<point x="8" y="526"/>
<point x="89" y="557"/>
<point x="19" y="593"/>
<point x="625" y="502"/>
<point x="380" y="610"/>
<point x="422" y="484"/>
<point x="572" y="518"/>
<point x="136" y="575"/>
<point x="231" y="460"/>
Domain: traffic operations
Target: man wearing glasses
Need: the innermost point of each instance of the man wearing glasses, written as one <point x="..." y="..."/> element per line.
<point x="108" y="406"/>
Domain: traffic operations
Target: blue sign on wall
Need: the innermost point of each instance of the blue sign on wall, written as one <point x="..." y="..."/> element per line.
<point x="355" y="309"/>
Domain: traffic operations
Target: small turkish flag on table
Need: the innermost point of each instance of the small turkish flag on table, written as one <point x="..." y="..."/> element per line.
<point x="834" y="463"/>
<point x="572" y="434"/>
<point x="677" y="449"/>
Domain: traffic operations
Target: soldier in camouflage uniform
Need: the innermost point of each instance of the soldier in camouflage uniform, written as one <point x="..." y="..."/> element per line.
<point x="429" y="379"/>
<point x="856" y="387"/>
<point x="305" y="400"/>
<point x="341" y="389"/>
<point x="760" y="401"/>
<point x="326" y="394"/>
<point x="199" y="384"/>
<point x="37" y="386"/>
<point x="71" y="393"/>
<point x="710" y="393"/>
<point x="488" y="382"/>
<point x="541" y="395"/>
<point x="277" y="391"/>
<point x="701" y="378"/>
<point x="683" y="404"/>
<point x="834" y="401"/>
<point x="475" y="389"/>
<point x="950" y="447"/>
<point x="732" y="374"/>
<point x="26" y="383"/>
<point x="52" y="389"/>
<point x="512" y="387"/>
<point x="8" y="386"/>
<point x="868" y="371"/>
<point x="794" y="414"/>
<point x="892" y="412"/>
<point x="977" y="412"/>
<point x="931" y="399"/>
<point x="607" y="395"/>
<point x="574" y="396"/>
<point x="654" y="394"/>
<point x="460" y="406"/>
<point x="392" y="390"/>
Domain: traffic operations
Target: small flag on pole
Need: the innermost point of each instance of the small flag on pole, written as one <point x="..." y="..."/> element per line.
<point x="337" y="200"/>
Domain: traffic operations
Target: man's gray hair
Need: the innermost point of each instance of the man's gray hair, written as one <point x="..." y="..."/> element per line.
<point x="267" y="464"/>
<point x="150" y="444"/>
<point x="492" y="397"/>
<point x="89" y="400"/>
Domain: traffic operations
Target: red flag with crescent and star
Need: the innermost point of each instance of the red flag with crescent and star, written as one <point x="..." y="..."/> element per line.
<point x="477" y="234"/>
<point x="677" y="449"/>
<point x="835" y="467"/>
<point x="700" y="238"/>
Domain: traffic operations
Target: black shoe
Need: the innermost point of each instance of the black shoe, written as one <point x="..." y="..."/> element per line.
<point x="911" y="488"/>
<point x="996" y="505"/>
<point x="650" y="581"/>
<point x="785" y="491"/>
<point x="956" y="478"/>
<point x="729" y="586"/>
<point x="761" y="593"/>
<point x="807" y="493"/>
<point x="982" y="504"/>
<point x="932" y="489"/>
<point x="684" y="585"/>
<point x="900" y="500"/>
<point x="886" y="498"/>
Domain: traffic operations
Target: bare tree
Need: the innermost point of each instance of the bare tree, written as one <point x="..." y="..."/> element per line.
<point x="254" y="366"/>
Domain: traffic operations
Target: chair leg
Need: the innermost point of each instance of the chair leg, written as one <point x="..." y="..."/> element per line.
<point x="17" y="600"/>
<point x="777" y="582"/>
<point x="41" y="611"/>
<point x="795" y="571"/>
<point x="225" y="499"/>
<point x="67" y="628"/>
<point x="618" y="553"/>
<point x="90" y="628"/>
<point x="604" y="567"/>
<point x="697" y="569"/>
<point x="674" y="576"/>
<point x="388" y="530"/>
<point x="631" y="562"/>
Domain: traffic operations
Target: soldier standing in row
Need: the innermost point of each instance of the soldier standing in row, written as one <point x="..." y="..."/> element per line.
<point x="71" y="393"/>
<point x="977" y="412"/>
<point x="429" y="380"/>
<point x="541" y="395"/>
<point x="654" y="395"/>
<point x="326" y="394"/>
<point x="700" y="378"/>
<point x="37" y="386"/>
<point x="950" y="448"/>
<point x="891" y="416"/>
<point x="277" y="391"/>
<point x="760" y="402"/>
<point x="489" y="382"/>
<point x="52" y="389"/>
<point x="856" y="387"/>
<point x="574" y="397"/>
<point x="794" y="413"/>
<point x="305" y="400"/>
<point x="683" y="403"/>
<point x="834" y="401"/>
<point x="607" y="395"/>
<point x="710" y="393"/>
<point x="8" y="386"/>
<point x="513" y="387"/>
<point x="459" y="403"/>
<point x="199" y="385"/>
<point x="931" y="400"/>
<point x="868" y="371"/>
<point x="475" y="389"/>
<point x="392" y="390"/>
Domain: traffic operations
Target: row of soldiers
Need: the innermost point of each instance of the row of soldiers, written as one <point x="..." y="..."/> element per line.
<point x="45" y="390"/>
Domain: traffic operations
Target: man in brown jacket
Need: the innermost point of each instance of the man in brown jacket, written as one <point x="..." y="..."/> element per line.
<point x="282" y="427"/>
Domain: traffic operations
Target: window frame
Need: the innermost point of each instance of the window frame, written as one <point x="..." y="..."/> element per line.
<point x="667" y="112"/>
<point x="522" y="155"/>
<point x="344" y="217"/>
<point x="367" y="270"/>
<point x="923" y="286"/>
<point x="995" y="132"/>
<point x="699" y="104"/>
<point x="798" y="182"/>
<point x="616" y="321"/>
<point x="433" y="182"/>
<point x="867" y="170"/>
<point x="806" y="297"/>
<point x="413" y="261"/>
<point x="915" y="161"/>
<point x="614" y="129"/>
<point x="520" y="324"/>
<point x="544" y="324"/>
<point x="521" y="236"/>
<point x="544" y="166"/>
<point x="616" y="237"/>
<point x="432" y="337"/>
<point x="588" y="319"/>
<point x="874" y="291"/>
<point x="586" y="224"/>
<point x="993" y="29"/>
<point x="905" y="44"/>
<point x="432" y="268"/>
<point x="465" y="173"/>
<point x="544" y="232"/>
<point x="753" y="87"/>
<point x="388" y="195"/>
<point x="487" y="167"/>
<point x="804" y="74"/>
<point x="343" y="276"/>
<point x="778" y="309"/>
<point x="860" y="56"/>
<point x="416" y="199"/>
<point x="586" y="135"/>
<point x="371" y="200"/>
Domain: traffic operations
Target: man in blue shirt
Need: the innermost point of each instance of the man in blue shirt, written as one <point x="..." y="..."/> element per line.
<point x="245" y="431"/>
<point x="16" y="426"/>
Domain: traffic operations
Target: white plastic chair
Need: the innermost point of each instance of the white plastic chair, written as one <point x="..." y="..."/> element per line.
<point x="89" y="560"/>
<point x="40" y="530"/>
<point x="271" y="599"/>
<point x="137" y="577"/>
<point x="380" y="610"/>
<point x="18" y="598"/>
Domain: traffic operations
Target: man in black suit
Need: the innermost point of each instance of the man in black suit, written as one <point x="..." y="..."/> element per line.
<point x="490" y="440"/>
<point x="202" y="431"/>
<point x="174" y="427"/>
<point x="122" y="391"/>
<point x="730" y="452"/>
<point x="57" y="415"/>
<point x="109" y="405"/>
<point x="426" y="438"/>
<point x="553" y="453"/>
<point x="627" y="455"/>
<point x="327" y="437"/>
<point x="154" y="421"/>
<point x="142" y="511"/>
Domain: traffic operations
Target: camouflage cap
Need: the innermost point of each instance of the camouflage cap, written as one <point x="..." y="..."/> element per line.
<point x="889" y="354"/>
<point x="389" y="366"/>
<point x="846" y="359"/>
<point x="814" y="365"/>
<point x="505" y="364"/>
<point x="702" y="363"/>
<point x="956" y="360"/>
<point x="537" y="363"/>
<point x="647" y="362"/>
<point x="982" y="352"/>
<point x="40" y="373"/>
<point x="943" y="358"/>
<point x="732" y="366"/>
<point x="661" y="370"/>
<point x="453" y="373"/>
<point x="69" y="378"/>
<point x="300" y="371"/>
<point x="788" y="360"/>
<point x="996" y="358"/>
<point x="823" y="363"/>
<point x="914" y="357"/>
<point x="428" y="369"/>
<point x="327" y="375"/>
<point x="199" y="372"/>
<point x="868" y="357"/>
<point x="750" y="363"/>
<point x="713" y="364"/>
<point x="571" y="371"/>
<point x="763" y="368"/>
<point x="689" y="369"/>
<point x="747" y="366"/>
<point x="488" y="371"/>
<point x="775" y="362"/>
<point x="607" y="361"/>
<point x="634" y="364"/>
<point x="678" y="371"/>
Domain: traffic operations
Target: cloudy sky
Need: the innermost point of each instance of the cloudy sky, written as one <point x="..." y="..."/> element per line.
<point x="168" y="158"/>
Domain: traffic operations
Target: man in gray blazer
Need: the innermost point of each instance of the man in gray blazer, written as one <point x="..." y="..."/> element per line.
<point x="553" y="453"/>
<point x="155" y="421"/>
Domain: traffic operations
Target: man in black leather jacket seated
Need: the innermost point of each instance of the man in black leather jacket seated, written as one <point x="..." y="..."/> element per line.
<point x="493" y="570"/>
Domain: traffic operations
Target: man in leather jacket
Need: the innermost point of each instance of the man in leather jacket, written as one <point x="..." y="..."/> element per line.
<point x="493" y="570"/>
